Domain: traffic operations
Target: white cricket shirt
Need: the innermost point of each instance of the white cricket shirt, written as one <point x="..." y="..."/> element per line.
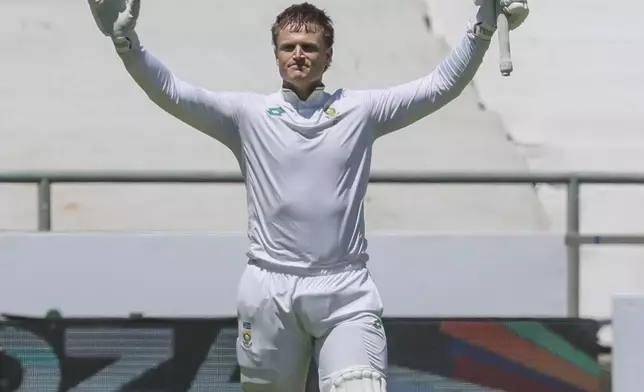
<point x="306" y="163"/>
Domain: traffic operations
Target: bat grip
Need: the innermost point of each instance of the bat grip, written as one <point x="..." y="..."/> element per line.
<point x="503" y="28"/>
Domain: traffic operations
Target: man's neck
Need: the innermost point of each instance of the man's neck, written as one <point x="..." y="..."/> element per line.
<point x="303" y="93"/>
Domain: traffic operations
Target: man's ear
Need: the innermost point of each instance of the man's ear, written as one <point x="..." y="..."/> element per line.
<point x="329" y="57"/>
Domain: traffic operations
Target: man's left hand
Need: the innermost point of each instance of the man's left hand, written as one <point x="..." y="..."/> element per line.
<point x="517" y="12"/>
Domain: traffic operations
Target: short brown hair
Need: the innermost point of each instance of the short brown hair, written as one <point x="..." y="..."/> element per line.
<point x="302" y="16"/>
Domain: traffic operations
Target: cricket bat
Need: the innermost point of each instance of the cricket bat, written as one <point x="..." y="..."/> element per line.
<point x="503" y="29"/>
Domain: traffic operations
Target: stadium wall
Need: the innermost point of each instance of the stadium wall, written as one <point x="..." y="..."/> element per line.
<point x="196" y="275"/>
<point x="574" y="103"/>
<point x="628" y="345"/>
<point x="70" y="105"/>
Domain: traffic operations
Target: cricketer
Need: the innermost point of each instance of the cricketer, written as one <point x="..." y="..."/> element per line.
<point x="305" y="155"/>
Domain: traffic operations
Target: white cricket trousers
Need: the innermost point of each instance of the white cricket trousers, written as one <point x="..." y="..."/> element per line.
<point x="284" y="320"/>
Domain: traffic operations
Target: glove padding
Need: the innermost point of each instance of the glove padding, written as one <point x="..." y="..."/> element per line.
<point x="517" y="12"/>
<point x="115" y="18"/>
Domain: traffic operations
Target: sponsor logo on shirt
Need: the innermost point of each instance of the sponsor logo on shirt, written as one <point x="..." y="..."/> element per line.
<point x="330" y="111"/>
<point x="276" y="111"/>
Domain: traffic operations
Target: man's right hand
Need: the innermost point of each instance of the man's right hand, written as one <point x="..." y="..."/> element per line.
<point x="115" y="18"/>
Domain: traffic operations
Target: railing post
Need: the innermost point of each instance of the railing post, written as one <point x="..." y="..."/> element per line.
<point x="44" y="205"/>
<point x="4" y="382"/>
<point x="572" y="242"/>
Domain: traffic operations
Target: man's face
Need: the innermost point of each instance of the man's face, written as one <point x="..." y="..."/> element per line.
<point x="302" y="56"/>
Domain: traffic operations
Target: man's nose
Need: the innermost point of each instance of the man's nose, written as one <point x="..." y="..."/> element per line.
<point x="299" y="53"/>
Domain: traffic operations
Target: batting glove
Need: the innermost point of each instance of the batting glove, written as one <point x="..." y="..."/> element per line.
<point x="117" y="20"/>
<point x="517" y="12"/>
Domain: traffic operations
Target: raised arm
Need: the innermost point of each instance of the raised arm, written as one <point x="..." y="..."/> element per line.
<point x="214" y="114"/>
<point x="394" y="108"/>
<point x="397" y="107"/>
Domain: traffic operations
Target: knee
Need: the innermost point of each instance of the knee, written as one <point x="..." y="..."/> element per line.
<point x="357" y="380"/>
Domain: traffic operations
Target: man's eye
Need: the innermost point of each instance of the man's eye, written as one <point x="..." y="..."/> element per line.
<point x="309" y="48"/>
<point x="288" y="48"/>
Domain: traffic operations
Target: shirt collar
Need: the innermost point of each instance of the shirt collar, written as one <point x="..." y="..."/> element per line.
<point x="316" y="97"/>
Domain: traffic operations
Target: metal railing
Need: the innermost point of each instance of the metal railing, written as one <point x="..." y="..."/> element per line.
<point x="573" y="181"/>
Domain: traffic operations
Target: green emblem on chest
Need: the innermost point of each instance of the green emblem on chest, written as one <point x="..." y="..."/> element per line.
<point x="277" y="111"/>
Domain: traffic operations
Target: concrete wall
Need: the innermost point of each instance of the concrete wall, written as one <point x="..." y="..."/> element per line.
<point x="70" y="105"/>
<point x="196" y="275"/>
<point x="574" y="104"/>
<point x="67" y="104"/>
<point x="628" y="346"/>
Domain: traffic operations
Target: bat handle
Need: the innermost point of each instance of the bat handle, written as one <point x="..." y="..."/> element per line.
<point x="503" y="28"/>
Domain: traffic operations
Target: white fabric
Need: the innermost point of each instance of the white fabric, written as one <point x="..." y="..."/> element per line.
<point x="306" y="163"/>
<point x="287" y="320"/>
<point x="360" y="381"/>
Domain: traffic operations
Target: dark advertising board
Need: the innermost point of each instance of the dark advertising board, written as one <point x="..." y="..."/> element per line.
<point x="181" y="355"/>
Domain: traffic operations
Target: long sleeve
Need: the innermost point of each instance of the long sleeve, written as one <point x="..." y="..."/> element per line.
<point x="397" y="107"/>
<point x="213" y="113"/>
